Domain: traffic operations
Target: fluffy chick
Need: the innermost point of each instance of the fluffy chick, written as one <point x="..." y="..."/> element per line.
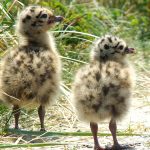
<point x="30" y="73"/>
<point x="102" y="89"/>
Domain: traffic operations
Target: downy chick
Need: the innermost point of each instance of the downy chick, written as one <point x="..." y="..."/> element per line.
<point x="30" y="73"/>
<point x="102" y="88"/>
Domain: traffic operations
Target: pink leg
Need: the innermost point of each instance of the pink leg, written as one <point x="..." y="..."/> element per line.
<point x="113" y="129"/>
<point x="94" y="129"/>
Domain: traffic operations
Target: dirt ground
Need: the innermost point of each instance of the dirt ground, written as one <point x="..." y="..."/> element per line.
<point x="137" y="121"/>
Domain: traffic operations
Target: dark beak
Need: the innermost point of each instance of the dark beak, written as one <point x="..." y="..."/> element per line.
<point x="129" y="50"/>
<point x="59" y="18"/>
<point x="55" y="19"/>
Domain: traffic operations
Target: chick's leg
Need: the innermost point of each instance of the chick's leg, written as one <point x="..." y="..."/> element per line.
<point x="41" y="113"/>
<point x="94" y="130"/>
<point x="113" y="129"/>
<point x="16" y="112"/>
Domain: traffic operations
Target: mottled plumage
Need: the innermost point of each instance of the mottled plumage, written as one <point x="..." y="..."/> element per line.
<point x="30" y="73"/>
<point x="102" y="88"/>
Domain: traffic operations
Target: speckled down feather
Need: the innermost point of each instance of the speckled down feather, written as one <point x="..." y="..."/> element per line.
<point x="102" y="89"/>
<point x="30" y="73"/>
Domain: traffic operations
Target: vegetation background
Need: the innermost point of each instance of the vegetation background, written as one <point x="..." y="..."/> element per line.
<point x="85" y="20"/>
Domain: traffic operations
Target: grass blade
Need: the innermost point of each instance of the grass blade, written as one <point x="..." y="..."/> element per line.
<point x="30" y="145"/>
<point x="73" y="60"/>
<point x="44" y="134"/>
<point x="76" y="32"/>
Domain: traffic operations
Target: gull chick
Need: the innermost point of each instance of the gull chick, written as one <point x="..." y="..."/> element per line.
<point x="102" y="89"/>
<point x="30" y="73"/>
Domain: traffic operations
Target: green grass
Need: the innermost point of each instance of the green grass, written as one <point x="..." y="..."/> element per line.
<point x="44" y="134"/>
<point x="30" y="145"/>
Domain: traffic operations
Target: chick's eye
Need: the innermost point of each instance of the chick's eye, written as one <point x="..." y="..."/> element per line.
<point x="120" y="47"/>
<point x="44" y="16"/>
<point x="106" y="46"/>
